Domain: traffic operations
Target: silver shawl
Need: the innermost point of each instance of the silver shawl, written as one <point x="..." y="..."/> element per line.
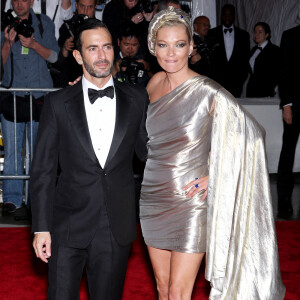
<point x="242" y="254"/>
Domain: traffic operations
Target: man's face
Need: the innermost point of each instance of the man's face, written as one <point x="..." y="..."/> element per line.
<point x="227" y="17"/>
<point x="201" y="26"/>
<point x="129" y="46"/>
<point x="130" y="3"/>
<point x="86" y="7"/>
<point x="22" y="7"/>
<point x="97" y="54"/>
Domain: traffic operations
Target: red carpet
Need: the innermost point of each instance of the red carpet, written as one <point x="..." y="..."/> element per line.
<point x="22" y="276"/>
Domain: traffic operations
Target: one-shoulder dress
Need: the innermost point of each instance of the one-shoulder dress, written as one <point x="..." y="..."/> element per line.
<point x="238" y="232"/>
<point x="179" y="130"/>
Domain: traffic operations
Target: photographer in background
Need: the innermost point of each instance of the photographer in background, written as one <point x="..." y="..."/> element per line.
<point x="200" y="57"/>
<point x="130" y="64"/>
<point x="120" y="14"/>
<point x="25" y="50"/>
<point x="56" y="10"/>
<point x="67" y="65"/>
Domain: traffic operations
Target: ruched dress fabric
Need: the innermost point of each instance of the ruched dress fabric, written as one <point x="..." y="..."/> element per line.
<point x="242" y="261"/>
<point x="179" y="130"/>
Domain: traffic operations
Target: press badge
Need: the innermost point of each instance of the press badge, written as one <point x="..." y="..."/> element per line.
<point x="25" y="50"/>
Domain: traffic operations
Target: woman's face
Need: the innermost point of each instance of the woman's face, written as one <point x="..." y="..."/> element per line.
<point x="130" y="3"/>
<point x="260" y="35"/>
<point x="173" y="48"/>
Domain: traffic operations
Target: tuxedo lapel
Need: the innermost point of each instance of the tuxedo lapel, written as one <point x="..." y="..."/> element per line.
<point x="77" y="116"/>
<point x="222" y="43"/>
<point x="123" y="103"/>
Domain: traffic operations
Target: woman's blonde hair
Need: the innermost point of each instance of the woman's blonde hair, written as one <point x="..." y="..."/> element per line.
<point x="168" y="17"/>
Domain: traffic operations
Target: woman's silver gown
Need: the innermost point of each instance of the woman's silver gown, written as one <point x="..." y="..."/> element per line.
<point x="235" y="224"/>
<point x="179" y="130"/>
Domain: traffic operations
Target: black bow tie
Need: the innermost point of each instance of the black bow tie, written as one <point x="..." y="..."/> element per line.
<point x="95" y="94"/>
<point x="227" y="29"/>
<point x="257" y="47"/>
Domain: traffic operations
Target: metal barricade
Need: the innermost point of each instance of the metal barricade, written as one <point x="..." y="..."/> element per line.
<point x="26" y="158"/>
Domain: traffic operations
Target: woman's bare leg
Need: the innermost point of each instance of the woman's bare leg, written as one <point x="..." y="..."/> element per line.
<point x="174" y="272"/>
<point x="161" y="262"/>
<point x="184" y="269"/>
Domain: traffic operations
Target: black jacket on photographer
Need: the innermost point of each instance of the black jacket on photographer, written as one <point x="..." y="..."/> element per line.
<point x="135" y="72"/>
<point x="204" y="49"/>
<point x="116" y="16"/>
<point x="68" y="67"/>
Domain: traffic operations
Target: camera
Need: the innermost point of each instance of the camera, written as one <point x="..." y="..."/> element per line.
<point x="143" y="5"/>
<point x="134" y="70"/>
<point x="73" y="24"/>
<point x="203" y="47"/>
<point x="22" y="27"/>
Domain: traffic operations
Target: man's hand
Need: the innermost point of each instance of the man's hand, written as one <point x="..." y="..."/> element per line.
<point x="145" y="63"/>
<point x="287" y="114"/>
<point x="68" y="46"/>
<point x="195" y="56"/>
<point x="117" y="66"/>
<point x="10" y="36"/>
<point x="27" y="42"/>
<point x="42" y="245"/>
<point x="137" y="18"/>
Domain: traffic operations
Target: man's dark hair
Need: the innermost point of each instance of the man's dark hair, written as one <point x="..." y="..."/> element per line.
<point x="163" y="4"/>
<point x="229" y="7"/>
<point x="129" y="32"/>
<point x="266" y="28"/>
<point x="95" y="1"/>
<point x="91" y="23"/>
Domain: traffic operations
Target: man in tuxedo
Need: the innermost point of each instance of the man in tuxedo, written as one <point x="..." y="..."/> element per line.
<point x="86" y="217"/>
<point x="229" y="59"/>
<point x="290" y="104"/>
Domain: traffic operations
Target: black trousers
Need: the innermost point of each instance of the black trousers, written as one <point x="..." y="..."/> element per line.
<point x="105" y="263"/>
<point x="285" y="181"/>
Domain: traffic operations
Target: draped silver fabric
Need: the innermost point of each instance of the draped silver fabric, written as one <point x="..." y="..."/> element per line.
<point x="242" y="253"/>
<point x="241" y="246"/>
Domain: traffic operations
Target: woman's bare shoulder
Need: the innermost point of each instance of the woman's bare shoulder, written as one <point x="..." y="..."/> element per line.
<point x="155" y="85"/>
<point x="155" y="80"/>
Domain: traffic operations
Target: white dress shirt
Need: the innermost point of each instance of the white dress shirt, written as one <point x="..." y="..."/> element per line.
<point x="228" y="41"/>
<point x="256" y="53"/>
<point x="101" y="119"/>
<point x="61" y="15"/>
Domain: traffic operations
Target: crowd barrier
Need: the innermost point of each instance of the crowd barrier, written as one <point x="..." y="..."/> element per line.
<point x="27" y="146"/>
<point x="265" y="110"/>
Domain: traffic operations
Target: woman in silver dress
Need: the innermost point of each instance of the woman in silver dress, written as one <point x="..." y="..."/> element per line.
<point x="191" y="120"/>
<point x="175" y="228"/>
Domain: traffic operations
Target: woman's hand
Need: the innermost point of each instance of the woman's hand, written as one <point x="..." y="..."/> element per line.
<point x="75" y="81"/>
<point x="196" y="186"/>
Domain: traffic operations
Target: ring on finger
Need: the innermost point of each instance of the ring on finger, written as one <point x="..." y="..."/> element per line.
<point x="196" y="185"/>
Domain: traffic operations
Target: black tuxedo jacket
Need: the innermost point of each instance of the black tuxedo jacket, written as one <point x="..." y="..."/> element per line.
<point x="290" y="80"/>
<point x="233" y="73"/>
<point x="265" y="76"/>
<point x="69" y="206"/>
